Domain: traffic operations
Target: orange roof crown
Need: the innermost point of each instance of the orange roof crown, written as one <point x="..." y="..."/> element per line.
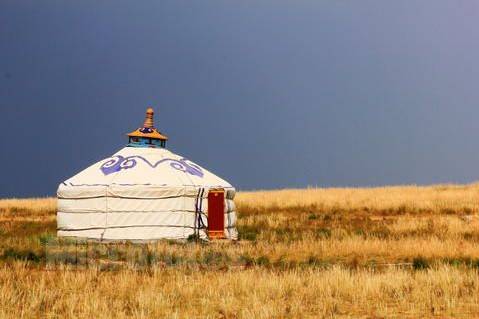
<point x="148" y="130"/>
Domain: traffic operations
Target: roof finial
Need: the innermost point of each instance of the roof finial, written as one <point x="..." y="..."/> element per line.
<point x="149" y="118"/>
<point x="147" y="132"/>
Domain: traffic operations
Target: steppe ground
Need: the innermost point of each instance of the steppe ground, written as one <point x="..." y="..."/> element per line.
<point x="370" y="252"/>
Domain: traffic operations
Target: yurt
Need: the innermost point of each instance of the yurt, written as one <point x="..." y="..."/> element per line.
<point x="145" y="192"/>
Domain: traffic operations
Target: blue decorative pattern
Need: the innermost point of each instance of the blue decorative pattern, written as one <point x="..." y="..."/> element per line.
<point x="118" y="163"/>
<point x="146" y="130"/>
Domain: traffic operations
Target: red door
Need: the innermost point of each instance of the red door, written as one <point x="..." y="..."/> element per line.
<point x="216" y="219"/>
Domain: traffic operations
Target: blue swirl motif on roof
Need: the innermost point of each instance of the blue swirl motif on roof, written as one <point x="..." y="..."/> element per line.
<point x="118" y="163"/>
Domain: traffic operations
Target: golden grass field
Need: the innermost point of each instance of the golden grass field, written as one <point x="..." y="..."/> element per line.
<point x="320" y="253"/>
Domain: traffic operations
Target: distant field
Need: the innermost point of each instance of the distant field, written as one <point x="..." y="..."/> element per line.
<point x="372" y="252"/>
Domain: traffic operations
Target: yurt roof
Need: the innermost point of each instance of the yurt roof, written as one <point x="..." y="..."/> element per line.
<point x="132" y="166"/>
<point x="137" y="171"/>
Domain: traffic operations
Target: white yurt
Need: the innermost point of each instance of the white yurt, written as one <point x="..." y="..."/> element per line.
<point x="146" y="192"/>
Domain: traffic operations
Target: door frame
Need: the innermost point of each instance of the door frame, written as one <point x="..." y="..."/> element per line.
<point x="216" y="234"/>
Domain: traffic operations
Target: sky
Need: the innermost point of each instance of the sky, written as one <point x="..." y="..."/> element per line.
<point x="266" y="93"/>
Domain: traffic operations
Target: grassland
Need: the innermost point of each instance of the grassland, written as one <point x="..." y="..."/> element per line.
<point x="370" y="252"/>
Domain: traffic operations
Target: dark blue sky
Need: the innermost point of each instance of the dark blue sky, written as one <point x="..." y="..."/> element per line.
<point x="266" y="94"/>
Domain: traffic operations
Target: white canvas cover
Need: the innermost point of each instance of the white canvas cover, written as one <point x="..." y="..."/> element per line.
<point x="141" y="194"/>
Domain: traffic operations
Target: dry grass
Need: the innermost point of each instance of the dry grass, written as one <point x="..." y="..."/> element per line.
<point x="252" y="293"/>
<point x="32" y="208"/>
<point x="436" y="199"/>
<point x="394" y="251"/>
